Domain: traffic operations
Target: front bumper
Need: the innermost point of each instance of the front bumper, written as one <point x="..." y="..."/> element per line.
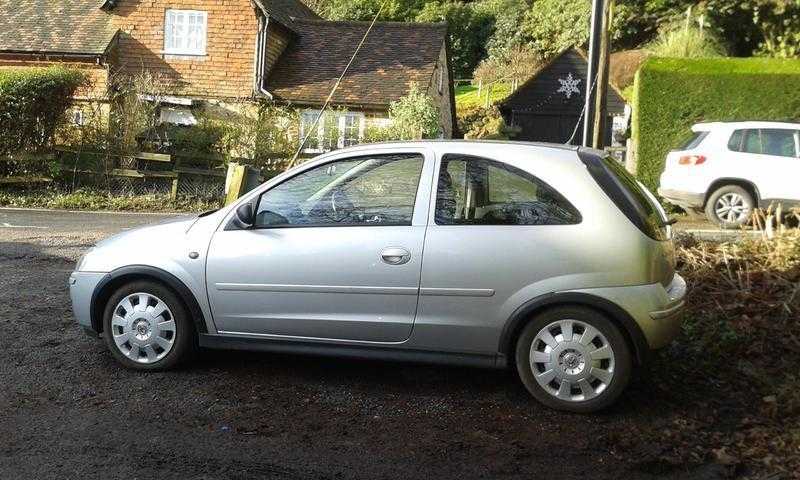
<point x="81" y="289"/>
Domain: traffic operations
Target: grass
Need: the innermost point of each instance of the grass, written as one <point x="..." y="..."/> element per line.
<point x="96" y="200"/>
<point x="467" y="95"/>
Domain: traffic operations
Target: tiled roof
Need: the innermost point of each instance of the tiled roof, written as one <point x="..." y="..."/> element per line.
<point x="285" y="11"/>
<point x="393" y="56"/>
<point x="54" y="26"/>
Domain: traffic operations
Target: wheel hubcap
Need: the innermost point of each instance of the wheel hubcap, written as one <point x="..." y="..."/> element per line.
<point x="572" y="360"/>
<point x="731" y="208"/>
<point x="143" y="328"/>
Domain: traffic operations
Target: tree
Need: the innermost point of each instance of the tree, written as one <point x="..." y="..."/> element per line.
<point x="469" y="31"/>
<point x="508" y="17"/>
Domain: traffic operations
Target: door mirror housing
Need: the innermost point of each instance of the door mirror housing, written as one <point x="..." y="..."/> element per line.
<point x="245" y="215"/>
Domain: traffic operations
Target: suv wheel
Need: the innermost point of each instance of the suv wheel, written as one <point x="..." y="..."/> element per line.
<point x="730" y="206"/>
<point x="574" y="359"/>
<point x="147" y="327"/>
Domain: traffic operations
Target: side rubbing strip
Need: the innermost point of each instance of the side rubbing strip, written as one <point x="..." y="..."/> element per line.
<point x="457" y="292"/>
<point x="263" y="287"/>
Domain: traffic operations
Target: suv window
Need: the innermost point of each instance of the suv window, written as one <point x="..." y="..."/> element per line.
<point x="627" y="194"/>
<point x="735" y="142"/>
<point x="695" y="140"/>
<point x="478" y="191"/>
<point x="778" y="142"/>
<point x="768" y="141"/>
<point x="369" y="190"/>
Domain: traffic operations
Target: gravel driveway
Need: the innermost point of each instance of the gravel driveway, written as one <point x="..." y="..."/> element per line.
<point x="68" y="411"/>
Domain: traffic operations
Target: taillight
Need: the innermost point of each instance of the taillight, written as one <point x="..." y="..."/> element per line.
<point x="692" y="160"/>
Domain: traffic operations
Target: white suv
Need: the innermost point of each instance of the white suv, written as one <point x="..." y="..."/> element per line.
<point x="727" y="169"/>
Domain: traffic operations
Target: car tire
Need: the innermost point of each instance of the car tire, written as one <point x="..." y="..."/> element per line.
<point x="584" y="372"/>
<point x="730" y="206"/>
<point x="159" y="336"/>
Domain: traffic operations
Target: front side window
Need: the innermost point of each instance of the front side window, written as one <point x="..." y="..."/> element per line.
<point x="370" y="190"/>
<point x="479" y="191"/>
<point x="334" y="130"/>
<point x="185" y="32"/>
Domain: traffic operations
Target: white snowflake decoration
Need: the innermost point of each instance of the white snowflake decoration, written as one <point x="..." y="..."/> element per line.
<point x="569" y="86"/>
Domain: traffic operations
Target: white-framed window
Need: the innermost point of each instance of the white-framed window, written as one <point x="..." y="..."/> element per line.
<point x="78" y="118"/>
<point x="335" y="130"/>
<point x="185" y="32"/>
<point x="440" y="79"/>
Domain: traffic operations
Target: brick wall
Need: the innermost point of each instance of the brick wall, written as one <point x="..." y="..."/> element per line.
<point x="277" y="40"/>
<point x="98" y="74"/>
<point x="225" y="71"/>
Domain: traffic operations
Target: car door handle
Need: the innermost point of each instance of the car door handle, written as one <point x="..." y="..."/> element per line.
<point x="395" y="255"/>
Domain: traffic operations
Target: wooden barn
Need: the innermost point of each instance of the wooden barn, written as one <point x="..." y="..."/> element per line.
<point x="548" y="106"/>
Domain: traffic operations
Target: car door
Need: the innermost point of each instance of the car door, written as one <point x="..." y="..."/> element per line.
<point x="490" y="222"/>
<point x="780" y="163"/>
<point x="768" y="158"/>
<point x="335" y="252"/>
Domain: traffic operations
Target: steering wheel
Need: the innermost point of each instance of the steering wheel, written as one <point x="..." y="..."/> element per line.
<point x="341" y="206"/>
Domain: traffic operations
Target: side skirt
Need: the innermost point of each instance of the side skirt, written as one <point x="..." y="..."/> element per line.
<point x="223" y="342"/>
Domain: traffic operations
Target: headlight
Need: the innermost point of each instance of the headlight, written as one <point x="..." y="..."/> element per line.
<point x="82" y="260"/>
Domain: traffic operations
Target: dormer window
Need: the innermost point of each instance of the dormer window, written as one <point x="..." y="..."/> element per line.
<point x="185" y="32"/>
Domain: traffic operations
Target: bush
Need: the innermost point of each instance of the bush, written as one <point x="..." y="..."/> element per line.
<point x="32" y="106"/>
<point x="673" y="94"/>
<point x="484" y="123"/>
<point x="691" y="42"/>
<point x="412" y="117"/>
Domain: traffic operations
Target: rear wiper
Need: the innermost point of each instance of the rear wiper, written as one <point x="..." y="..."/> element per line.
<point x="669" y="222"/>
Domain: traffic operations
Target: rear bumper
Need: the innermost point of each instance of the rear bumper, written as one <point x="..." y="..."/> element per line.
<point x="682" y="199"/>
<point x="81" y="289"/>
<point x="657" y="310"/>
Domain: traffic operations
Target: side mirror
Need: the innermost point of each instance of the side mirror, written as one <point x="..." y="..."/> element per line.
<point x="245" y="215"/>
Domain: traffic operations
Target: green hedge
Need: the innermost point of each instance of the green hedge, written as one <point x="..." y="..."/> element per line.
<point x="32" y="105"/>
<point x="672" y="94"/>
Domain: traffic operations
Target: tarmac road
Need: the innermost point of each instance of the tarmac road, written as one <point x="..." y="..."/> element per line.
<point x="67" y="410"/>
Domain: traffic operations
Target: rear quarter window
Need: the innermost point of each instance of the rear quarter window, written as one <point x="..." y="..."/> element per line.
<point x="627" y="194"/>
<point x="694" y="141"/>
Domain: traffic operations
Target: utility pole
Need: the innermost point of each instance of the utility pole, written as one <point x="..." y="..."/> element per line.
<point x="595" y="36"/>
<point x="600" y="115"/>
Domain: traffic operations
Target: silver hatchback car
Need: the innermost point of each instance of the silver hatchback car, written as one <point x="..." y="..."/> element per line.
<point x="550" y="259"/>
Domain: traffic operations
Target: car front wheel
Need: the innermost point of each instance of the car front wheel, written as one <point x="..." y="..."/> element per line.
<point x="147" y="327"/>
<point x="573" y="359"/>
<point x="730" y="206"/>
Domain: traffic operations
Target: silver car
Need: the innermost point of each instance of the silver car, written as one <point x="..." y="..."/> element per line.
<point x="549" y="259"/>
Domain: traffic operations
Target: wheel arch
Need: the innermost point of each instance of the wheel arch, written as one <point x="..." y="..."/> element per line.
<point x="630" y="329"/>
<point x="119" y="277"/>
<point x="740" y="182"/>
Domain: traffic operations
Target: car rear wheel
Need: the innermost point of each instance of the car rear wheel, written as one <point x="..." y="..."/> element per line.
<point x="147" y="327"/>
<point x="730" y="206"/>
<point x="573" y="359"/>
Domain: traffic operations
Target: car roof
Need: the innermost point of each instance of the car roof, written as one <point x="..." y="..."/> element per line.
<point x="706" y="126"/>
<point x="440" y="142"/>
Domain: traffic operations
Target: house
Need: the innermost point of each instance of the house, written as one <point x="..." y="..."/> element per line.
<point x="235" y="52"/>
<point x="548" y="106"/>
